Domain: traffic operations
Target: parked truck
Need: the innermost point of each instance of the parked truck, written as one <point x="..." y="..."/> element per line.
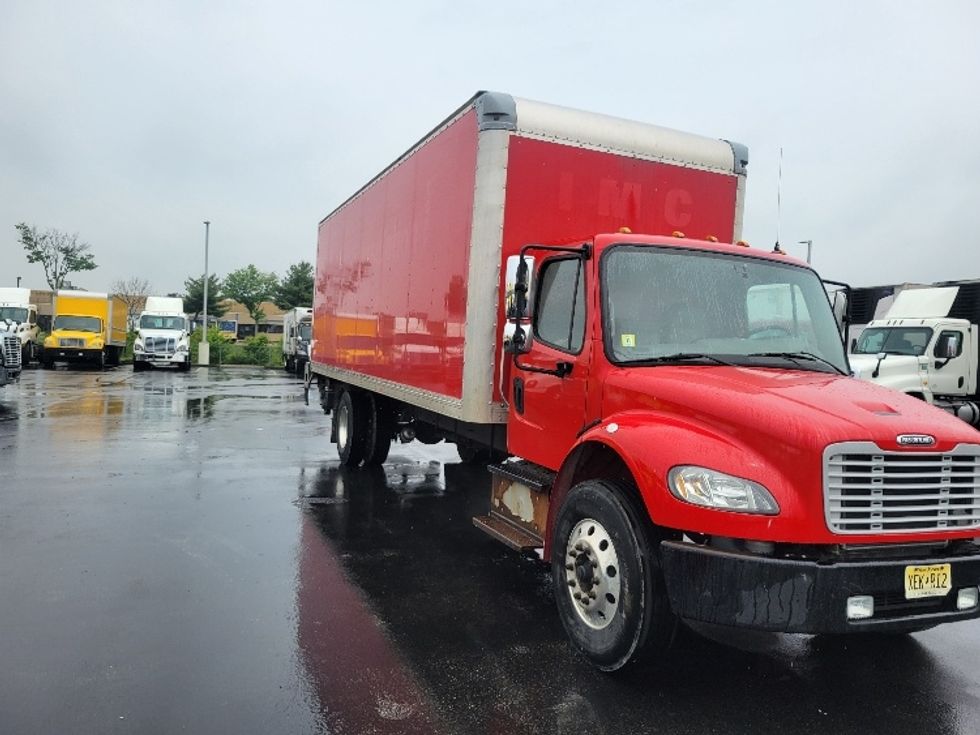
<point x="11" y="354"/>
<point x="86" y="327"/>
<point x="927" y="345"/>
<point x="18" y="316"/>
<point x="163" y="339"/>
<point x="684" y="437"/>
<point x="297" y="331"/>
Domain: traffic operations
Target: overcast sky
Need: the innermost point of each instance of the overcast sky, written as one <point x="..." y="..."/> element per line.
<point x="132" y="122"/>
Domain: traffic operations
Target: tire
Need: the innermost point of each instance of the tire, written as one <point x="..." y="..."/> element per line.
<point x="184" y="367"/>
<point x="138" y="366"/>
<point x="351" y="426"/>
<point x="288" y="364"/>
<point x="380" y="431"/>
<point x="46" y="362"/>
<point x="100" y="361"/>
<point x="470" y="453"/>
<point x="604" y="546"/>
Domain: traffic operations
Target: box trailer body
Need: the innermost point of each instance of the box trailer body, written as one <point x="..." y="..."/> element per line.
<point x="673" y="405"/>
<point x="18" y="316"/>
<point x="86" y="327"/>
<point x="927" y="344"/>
<point x="297" y="332"/>
<point x="163" y="336"/>
<point x="412" y="263"/>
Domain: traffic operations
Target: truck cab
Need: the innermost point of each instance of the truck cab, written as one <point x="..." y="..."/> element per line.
<point x="18" y="316"/>
<point x="162" y="339"/>
<point x="10" y="354"/>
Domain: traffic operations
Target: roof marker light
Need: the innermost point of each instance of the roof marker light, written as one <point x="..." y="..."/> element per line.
<point x="677" y="233"/>
<point x="711" y="238"/>
<point x="742" y="244"/>
<point x="625" y="231"/>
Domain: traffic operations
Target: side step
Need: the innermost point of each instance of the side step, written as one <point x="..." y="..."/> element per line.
<point x="507" y="533"/>
<point x="533" y="476"/>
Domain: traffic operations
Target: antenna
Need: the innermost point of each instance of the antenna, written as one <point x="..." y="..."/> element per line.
<point x="779" y="200"/>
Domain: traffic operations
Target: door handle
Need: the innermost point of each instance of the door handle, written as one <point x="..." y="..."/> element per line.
<point x="519" y="395"/>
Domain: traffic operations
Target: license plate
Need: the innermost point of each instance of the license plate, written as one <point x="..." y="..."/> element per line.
<point x="934" y="580"/>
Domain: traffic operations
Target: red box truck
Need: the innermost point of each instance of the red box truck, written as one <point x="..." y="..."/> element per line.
<point x="670" y="415"/>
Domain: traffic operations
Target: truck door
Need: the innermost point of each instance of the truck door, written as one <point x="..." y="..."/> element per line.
<point x="949" y="357"/>
<point x="549" y="382"/>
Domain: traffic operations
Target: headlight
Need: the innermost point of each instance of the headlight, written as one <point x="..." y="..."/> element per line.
<point x="137" y="346"/>
<point x="97" y="344"/>
<point x="713" y="489"/>
<point x="181" y="348"/>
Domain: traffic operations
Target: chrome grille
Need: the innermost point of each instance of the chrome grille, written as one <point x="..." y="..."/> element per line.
<point x="11" y="352"/>
<point x="71" y="342"/>
<point x="160" y="345"/>
<point x="868" y="490"/>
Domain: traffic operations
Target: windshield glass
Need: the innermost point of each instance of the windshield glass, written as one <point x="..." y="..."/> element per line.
<point x="150" y="321"/>
<point x="13" y="313"/>
<point x="77" y="323"/>
<point x="894" y="341"/>
<point x="663" y="303"/>
<point x="305" y="331"/>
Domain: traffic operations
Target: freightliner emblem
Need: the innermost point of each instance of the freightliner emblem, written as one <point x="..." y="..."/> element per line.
<point x="916" y="440"/>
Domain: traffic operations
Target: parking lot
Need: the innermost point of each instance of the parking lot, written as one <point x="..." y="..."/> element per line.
<point x="181" y="553"/>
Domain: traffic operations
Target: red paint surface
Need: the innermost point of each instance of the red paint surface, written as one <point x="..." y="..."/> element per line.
<point x="391" y="269"/>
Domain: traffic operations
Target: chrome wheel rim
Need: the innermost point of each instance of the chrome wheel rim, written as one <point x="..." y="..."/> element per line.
<point x="592" y="573"/>
<point x="343" y="419"/>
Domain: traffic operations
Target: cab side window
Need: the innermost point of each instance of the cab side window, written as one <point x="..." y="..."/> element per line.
<point x="559" y="319"/>
<point x="949" y="344"/>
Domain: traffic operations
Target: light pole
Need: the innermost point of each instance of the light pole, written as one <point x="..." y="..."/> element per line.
<point x="204" y="348"/>
<point x="809" y="248"/>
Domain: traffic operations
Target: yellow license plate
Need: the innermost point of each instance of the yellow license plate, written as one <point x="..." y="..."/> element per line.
<point x="934" y="580"/>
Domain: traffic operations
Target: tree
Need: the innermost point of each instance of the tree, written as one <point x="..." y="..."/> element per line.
<point x="58" y="253"/>
<point x="133" y="291"/>
<point x="296" y="287"/>
<point x="249" y="286"/>
<point x="194" y="297"/>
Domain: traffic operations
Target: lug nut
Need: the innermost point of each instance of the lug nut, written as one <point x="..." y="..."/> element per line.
<point x="592" y="594"/>
<point x="569" y="567"/>
<point x="571" y="583"/>
<point x="577" y="595"/>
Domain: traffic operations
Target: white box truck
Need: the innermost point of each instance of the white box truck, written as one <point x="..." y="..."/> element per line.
<point x="297" y="331"/>
<point x="162" y="339"/>
<point x="926" y="345"/>
<point x="18" y="316"/>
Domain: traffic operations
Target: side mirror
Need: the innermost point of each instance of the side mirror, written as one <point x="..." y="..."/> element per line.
<point x="519" y="279"/>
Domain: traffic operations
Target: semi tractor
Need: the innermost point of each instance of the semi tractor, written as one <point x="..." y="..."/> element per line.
<point x="297" y="331"/>
<point x="10" y="354"/>
<point x="163" y="339"/>
<point x="927" y="345"/>
<point x="684" y="440"/>
<point x="18" y="316"/>
<point x="86" y="327"/>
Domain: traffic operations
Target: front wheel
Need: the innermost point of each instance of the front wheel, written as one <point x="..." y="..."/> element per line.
<point x="607" y="582"/>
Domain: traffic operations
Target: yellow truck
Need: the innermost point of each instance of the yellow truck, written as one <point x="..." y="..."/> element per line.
<point x="87" y="327"/>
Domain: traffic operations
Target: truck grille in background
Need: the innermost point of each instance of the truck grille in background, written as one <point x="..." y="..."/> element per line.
<point x="11" y="352"/>
<point x="160" y="345"/>
<point x="868" y="490"/>
<point x="71" y="342"/>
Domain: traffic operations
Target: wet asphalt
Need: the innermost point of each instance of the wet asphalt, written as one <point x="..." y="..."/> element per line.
<point x="181" y="553"/>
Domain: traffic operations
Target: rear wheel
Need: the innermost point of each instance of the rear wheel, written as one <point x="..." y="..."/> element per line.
<point x="607" y="581"/>
<point x="351" y="427"/>
<point x="380" y="431"/>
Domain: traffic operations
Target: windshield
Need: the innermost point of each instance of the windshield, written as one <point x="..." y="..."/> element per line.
<point x="305" y="331"/>
<point x="77" y="323"/>
<point x="894" y="341"/>
<point x="149" y="321"/>
<point x="13" y="313"/>
<point x="664" y="303"/>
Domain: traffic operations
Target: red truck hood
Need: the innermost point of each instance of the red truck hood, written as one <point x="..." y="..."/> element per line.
<point x="795" y="409"/>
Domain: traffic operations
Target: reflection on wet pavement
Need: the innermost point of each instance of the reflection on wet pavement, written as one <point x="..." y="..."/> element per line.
<point x="183" y="553"/>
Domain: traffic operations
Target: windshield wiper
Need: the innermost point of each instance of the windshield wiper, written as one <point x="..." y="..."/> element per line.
<point x="797" y="356"/>
<point x="681" y="357"/>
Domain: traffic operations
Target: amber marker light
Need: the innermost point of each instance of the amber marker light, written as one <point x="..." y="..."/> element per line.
<point x="625" y="231"/>
<point x="677" y="233"/>
<point x="711" y="238"/>
<point x="742" y="244"/>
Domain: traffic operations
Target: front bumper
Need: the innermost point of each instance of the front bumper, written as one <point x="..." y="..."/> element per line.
<point x="72" y="354"/>
<point x="795" y="596"/>
<point x="161" y="360"/>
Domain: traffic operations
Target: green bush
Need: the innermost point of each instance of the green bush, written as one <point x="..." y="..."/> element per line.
<point x="257" y="349"/>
